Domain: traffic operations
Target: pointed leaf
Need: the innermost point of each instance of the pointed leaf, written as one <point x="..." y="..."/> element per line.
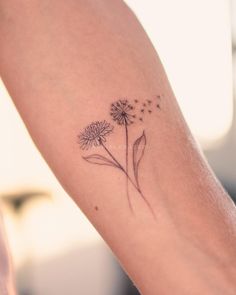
<point x="138" y="152"/>
<point x="100" y="160"/>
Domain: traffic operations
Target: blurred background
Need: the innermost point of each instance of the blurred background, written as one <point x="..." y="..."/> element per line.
<point x="54" y="247"/>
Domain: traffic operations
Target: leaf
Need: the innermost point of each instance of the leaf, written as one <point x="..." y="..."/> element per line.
<point x="138" y="152"/>
<point x="100" y="160"/>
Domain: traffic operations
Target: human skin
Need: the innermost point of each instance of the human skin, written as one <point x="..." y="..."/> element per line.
<point x="64" y="63"/>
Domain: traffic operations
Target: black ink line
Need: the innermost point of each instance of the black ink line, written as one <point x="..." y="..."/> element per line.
<point x="127" y="164"/>
<point x="119" y="165"/>
<point x="129" y="178"/>
<point x="110" y="154"/>
<point x="136" y="161"/>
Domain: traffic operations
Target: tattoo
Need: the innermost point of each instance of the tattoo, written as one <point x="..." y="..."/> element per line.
<point x="124" y="114"/>
<point x="95" y="134"/>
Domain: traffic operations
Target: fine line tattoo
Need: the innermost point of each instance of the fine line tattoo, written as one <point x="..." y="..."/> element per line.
<point x="95" y="134"/>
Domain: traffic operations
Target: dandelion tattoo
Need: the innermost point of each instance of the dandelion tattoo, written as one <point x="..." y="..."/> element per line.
<point x="121" y="112"/>
<point x="95" y="134"/>
<point x="124" y="114"/>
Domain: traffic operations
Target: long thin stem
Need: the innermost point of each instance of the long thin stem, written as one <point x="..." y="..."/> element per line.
<point x="110" y="154"/>
<point x="119" y="165"/>
<point x="148" y="204"/>
<point x="127" y="164"/>
<point x="128" y="177"/>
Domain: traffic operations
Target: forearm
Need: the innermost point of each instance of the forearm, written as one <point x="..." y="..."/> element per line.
<point x="64" y="63"/>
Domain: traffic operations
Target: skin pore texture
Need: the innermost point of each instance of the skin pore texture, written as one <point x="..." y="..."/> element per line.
<point x="79" y="72"/>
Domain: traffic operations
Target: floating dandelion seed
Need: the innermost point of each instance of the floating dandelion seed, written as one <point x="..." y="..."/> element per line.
<point x="121" y="112"/>
<point x="94" y="134"/>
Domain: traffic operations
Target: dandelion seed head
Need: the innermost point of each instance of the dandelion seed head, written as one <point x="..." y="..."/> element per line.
<point x="122" y="112"/>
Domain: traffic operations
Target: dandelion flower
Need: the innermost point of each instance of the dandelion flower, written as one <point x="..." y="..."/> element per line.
<point x="94" y="134"/>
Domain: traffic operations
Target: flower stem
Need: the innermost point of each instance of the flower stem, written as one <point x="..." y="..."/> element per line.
<point x="118" y="164"/>
<point x="110" y="154"/>
<point x="148" y="204"/>
<point x="127" y="164"/>
<point x="128" y="178"/>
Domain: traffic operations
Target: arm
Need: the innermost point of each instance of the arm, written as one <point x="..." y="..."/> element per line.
<point x="144" y="185"/>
